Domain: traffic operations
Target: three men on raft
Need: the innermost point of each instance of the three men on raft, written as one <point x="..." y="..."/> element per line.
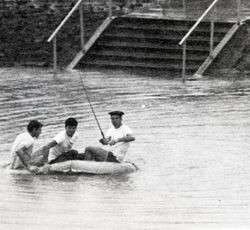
<point x="115" y="146"/>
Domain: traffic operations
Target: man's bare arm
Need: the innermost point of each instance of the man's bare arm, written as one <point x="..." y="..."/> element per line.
<point x="23" y="156"/>
<point x="25" y="159"/>
<point x="127" y="138"/>
<point x="44" y="152"/>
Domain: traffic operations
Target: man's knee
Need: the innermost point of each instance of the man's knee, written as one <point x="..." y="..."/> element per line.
<point x="89" y="149"/>
<point x="38" y="161"/>
<point x="88" y="153"/>
<point x="71" y="154"/>
<point x="100" y="155"/>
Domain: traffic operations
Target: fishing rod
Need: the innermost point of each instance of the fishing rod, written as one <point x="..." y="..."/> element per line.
<point x="85" y="90"/>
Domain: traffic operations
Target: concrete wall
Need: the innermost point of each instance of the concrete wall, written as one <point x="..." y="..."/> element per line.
<point x="244" y="62"/>
<point x="232" y="53"/>
<point x="235" y="55"/>
<point x="27" y="24"/>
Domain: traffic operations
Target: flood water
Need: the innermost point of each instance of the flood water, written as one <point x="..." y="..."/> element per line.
<point x="192" y="146"/>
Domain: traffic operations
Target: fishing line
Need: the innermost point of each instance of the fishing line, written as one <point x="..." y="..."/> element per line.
<point x="85" y="90"/>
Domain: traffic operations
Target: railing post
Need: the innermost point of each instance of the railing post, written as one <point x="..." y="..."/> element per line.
<point x="184" y="56"/>
<point x="110" y="8"/>
<point x="238" y="11"/>
<point x="212" y="31"/>
<point x="81" y="25"/>
<point x="64" y="20"/>
<point x="55" y="54"/>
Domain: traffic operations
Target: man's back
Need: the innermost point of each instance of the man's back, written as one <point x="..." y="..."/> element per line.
<point x="21" y="141"/>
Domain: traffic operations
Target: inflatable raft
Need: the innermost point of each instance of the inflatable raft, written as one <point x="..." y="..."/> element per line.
<point x="89" y="167"/>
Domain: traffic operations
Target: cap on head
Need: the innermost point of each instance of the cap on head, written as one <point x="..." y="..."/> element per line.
<point x="119" y="113"/>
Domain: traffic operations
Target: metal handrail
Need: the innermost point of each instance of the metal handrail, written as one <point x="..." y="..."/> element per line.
<point x="198" y="22"/>
<point x="54" y="34"/>
<point x="183" y="42"/>
<point x="64" y="20"/>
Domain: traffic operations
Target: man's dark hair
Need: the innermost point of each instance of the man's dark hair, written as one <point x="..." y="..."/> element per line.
<point x="71" y="122"/>
<point x="34" y="124"/>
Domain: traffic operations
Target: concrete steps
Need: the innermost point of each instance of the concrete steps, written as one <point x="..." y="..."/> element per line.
<point x="141" y="64"/>
<point x="152" y="44"/>
<point x="140" y="54"/>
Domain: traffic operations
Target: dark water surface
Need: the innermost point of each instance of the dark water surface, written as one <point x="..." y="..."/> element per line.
<point x="192" y="146"/>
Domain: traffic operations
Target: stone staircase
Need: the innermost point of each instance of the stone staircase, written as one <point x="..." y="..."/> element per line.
<point x="152" y="44"/>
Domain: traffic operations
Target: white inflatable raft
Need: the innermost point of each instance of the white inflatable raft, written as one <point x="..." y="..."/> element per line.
<point x="90" y="167"/>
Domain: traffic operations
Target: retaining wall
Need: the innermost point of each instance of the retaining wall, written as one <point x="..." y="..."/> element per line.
<point x="27" y="24"/>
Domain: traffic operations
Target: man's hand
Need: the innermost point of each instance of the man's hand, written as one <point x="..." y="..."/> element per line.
<point x="33" y="169"/>
<point x="103" y="141"/>
<point x="112" y="142"/>
<point x="46" y="169"/>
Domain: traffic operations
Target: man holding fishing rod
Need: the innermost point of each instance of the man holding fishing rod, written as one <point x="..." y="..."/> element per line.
<point x="60" y="148"/>
<point x="116" y="141"/>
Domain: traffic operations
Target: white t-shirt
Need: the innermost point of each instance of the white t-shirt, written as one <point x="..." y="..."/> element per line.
<point x="119" y="149"/>
<point x="22" y="140"/>
<point x="64" y="144"/>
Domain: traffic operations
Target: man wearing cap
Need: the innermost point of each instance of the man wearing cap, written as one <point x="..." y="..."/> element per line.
<point x="116" y="142"/>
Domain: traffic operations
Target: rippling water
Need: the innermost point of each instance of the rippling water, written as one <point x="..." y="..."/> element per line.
<point x="192" y="146"/>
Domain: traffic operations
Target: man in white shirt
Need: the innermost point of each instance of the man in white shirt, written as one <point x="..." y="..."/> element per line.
<point x="21" y="151"/>
<point x="116" y="141"/>
<point x="61" y="146"/>
<point x="58" y="150"/>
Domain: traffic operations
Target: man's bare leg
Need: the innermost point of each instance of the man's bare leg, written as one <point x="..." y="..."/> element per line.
<point x="40" y="157"/>
<point x="95" y="153"/>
